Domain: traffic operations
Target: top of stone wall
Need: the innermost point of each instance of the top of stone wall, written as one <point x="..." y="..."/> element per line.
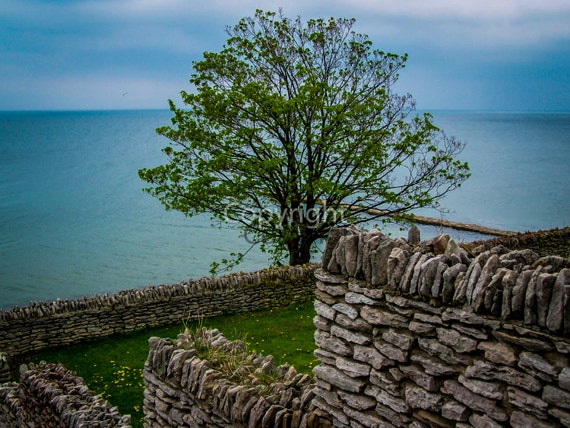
<point x="511" y="284"/>
<point x="205" y="286"/>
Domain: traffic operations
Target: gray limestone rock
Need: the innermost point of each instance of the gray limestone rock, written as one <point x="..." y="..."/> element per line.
<point x="449" y="279"/>
<point x="519" y="293"/>
<point x="397" y="262"/>
<point x="475" y="401"/>
<point x="414" y="236"/>
<point x="560" y="289"/>
<point x="544" y="286"/>
<point x="419" y="398"/>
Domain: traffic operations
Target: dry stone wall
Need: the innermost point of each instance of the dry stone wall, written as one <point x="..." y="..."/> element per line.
<point x="50" y="396"/>
<point x="185" y="389"/>
<point x="435" y="336"/>
<point x="63" y="322"/>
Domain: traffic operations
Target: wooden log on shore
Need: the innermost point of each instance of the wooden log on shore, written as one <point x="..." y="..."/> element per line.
<point x="440" y="222"/>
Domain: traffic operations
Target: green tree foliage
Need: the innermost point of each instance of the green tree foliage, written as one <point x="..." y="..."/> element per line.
<point x="293" y="128"/>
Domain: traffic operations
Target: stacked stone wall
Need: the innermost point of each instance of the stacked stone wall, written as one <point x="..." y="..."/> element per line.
<point x="435" y="336"/>
<point x="64" y="322"/>
<point x="185" y="389"/>
<point x="50" y="396"/>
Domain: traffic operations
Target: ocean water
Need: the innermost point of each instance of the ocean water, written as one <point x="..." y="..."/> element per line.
<point x="74" y="220"/>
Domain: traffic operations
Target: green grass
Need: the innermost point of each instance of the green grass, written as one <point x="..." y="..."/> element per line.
<point x="113" y="367"/>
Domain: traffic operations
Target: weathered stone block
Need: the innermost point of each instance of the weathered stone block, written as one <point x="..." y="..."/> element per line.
<point x="338" y="378"/>
<point x="401" y="340"/>
<point x="391" y="351"/>
<point x="358" y="299"/>
<point x="331" y="343"/>
<point x="491" y="390"/>
<point x="488" y="371"/>
<point x="455" y="411"/>
<point x="421" y="378"/>
<point x="556" y="396"/>
<point x="434" y="366"/>
<point x="456" y="340"/>
<point x="560" y="291"/>
<point x="352" y="367"/>
<point x="434" y="347"/>
<point x="419" y="398"/>
<point x="358" y="402"/>
<point x="524" y="420"/>
<point x="371" y="356"/>
<point x="324" y="310"/>
<point x="527" y="402"/>
<point x="537" y="366"/>
<point x="380" y="317"/>
<point x="475" y="401"/>
<point x="498" y="352"/>
<point x="346" y="309"/>
<point x="349" y="335"/>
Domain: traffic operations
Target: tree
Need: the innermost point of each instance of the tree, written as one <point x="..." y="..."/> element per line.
<point x="293" y="128"/>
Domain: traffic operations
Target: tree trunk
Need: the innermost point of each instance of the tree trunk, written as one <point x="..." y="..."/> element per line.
<point x="299" y="251"/>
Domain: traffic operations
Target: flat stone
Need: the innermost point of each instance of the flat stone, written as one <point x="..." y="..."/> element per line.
<point x="564" y="379"/>
<point x="483" y="421"/>
<point x="366" y="419"/>
<point x="349" y="335"/>
<point x="331" y="343"/>
<point x="434" y="366"/>
<point x="537" y="366"/>
<point x="432" y="319"/>
<point x="403" y="341"/>
<point x="524" y="420"/>
<point x="391" y="351"/>
<point x="556" y="396"/>
<point x="453" y="338"/>
<point x="455" y="411"/>
<point x="421" y="378"/>
<point x="397" y="404"/>
<point x="371" y="356"/>
<point x="324" y="310"/>
<point x="421" y="328"/>
<point x="473" y="332"/>
<point x="346" y="309"/>
<point x="352" y="367"/>
<point x="561" y="415"/>
<point x="527" y="402"/>
<point x="419" y="398"/>
<point x="488" y="371"/>
<point x="529" y="343"/>
<point x="499" y="352"/>
<point x="434" y="347"/>
<point x="357" y="324"/>
<point x="385" y="381"/>
<point x="379" y="317"/>
<point x="338" y="378"/>
<point x="333" y="290"/>
<point x="326" y="277"/>
<point x="358" y="402"/>
<point x="491" y="390"/>
<point x="358" y="299"/>
<point x="474" y="401"/>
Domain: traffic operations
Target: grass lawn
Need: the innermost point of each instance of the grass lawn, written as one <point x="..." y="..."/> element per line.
<point x="113" y="367"/>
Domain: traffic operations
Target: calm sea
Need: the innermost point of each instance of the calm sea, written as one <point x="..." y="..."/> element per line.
<point x="74" y="220"/>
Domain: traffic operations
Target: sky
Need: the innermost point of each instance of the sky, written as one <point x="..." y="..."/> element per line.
<point x="137" y="54"/>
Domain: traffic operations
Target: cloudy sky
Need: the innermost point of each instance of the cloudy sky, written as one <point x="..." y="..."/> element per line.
<point x="122" y="54"/>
